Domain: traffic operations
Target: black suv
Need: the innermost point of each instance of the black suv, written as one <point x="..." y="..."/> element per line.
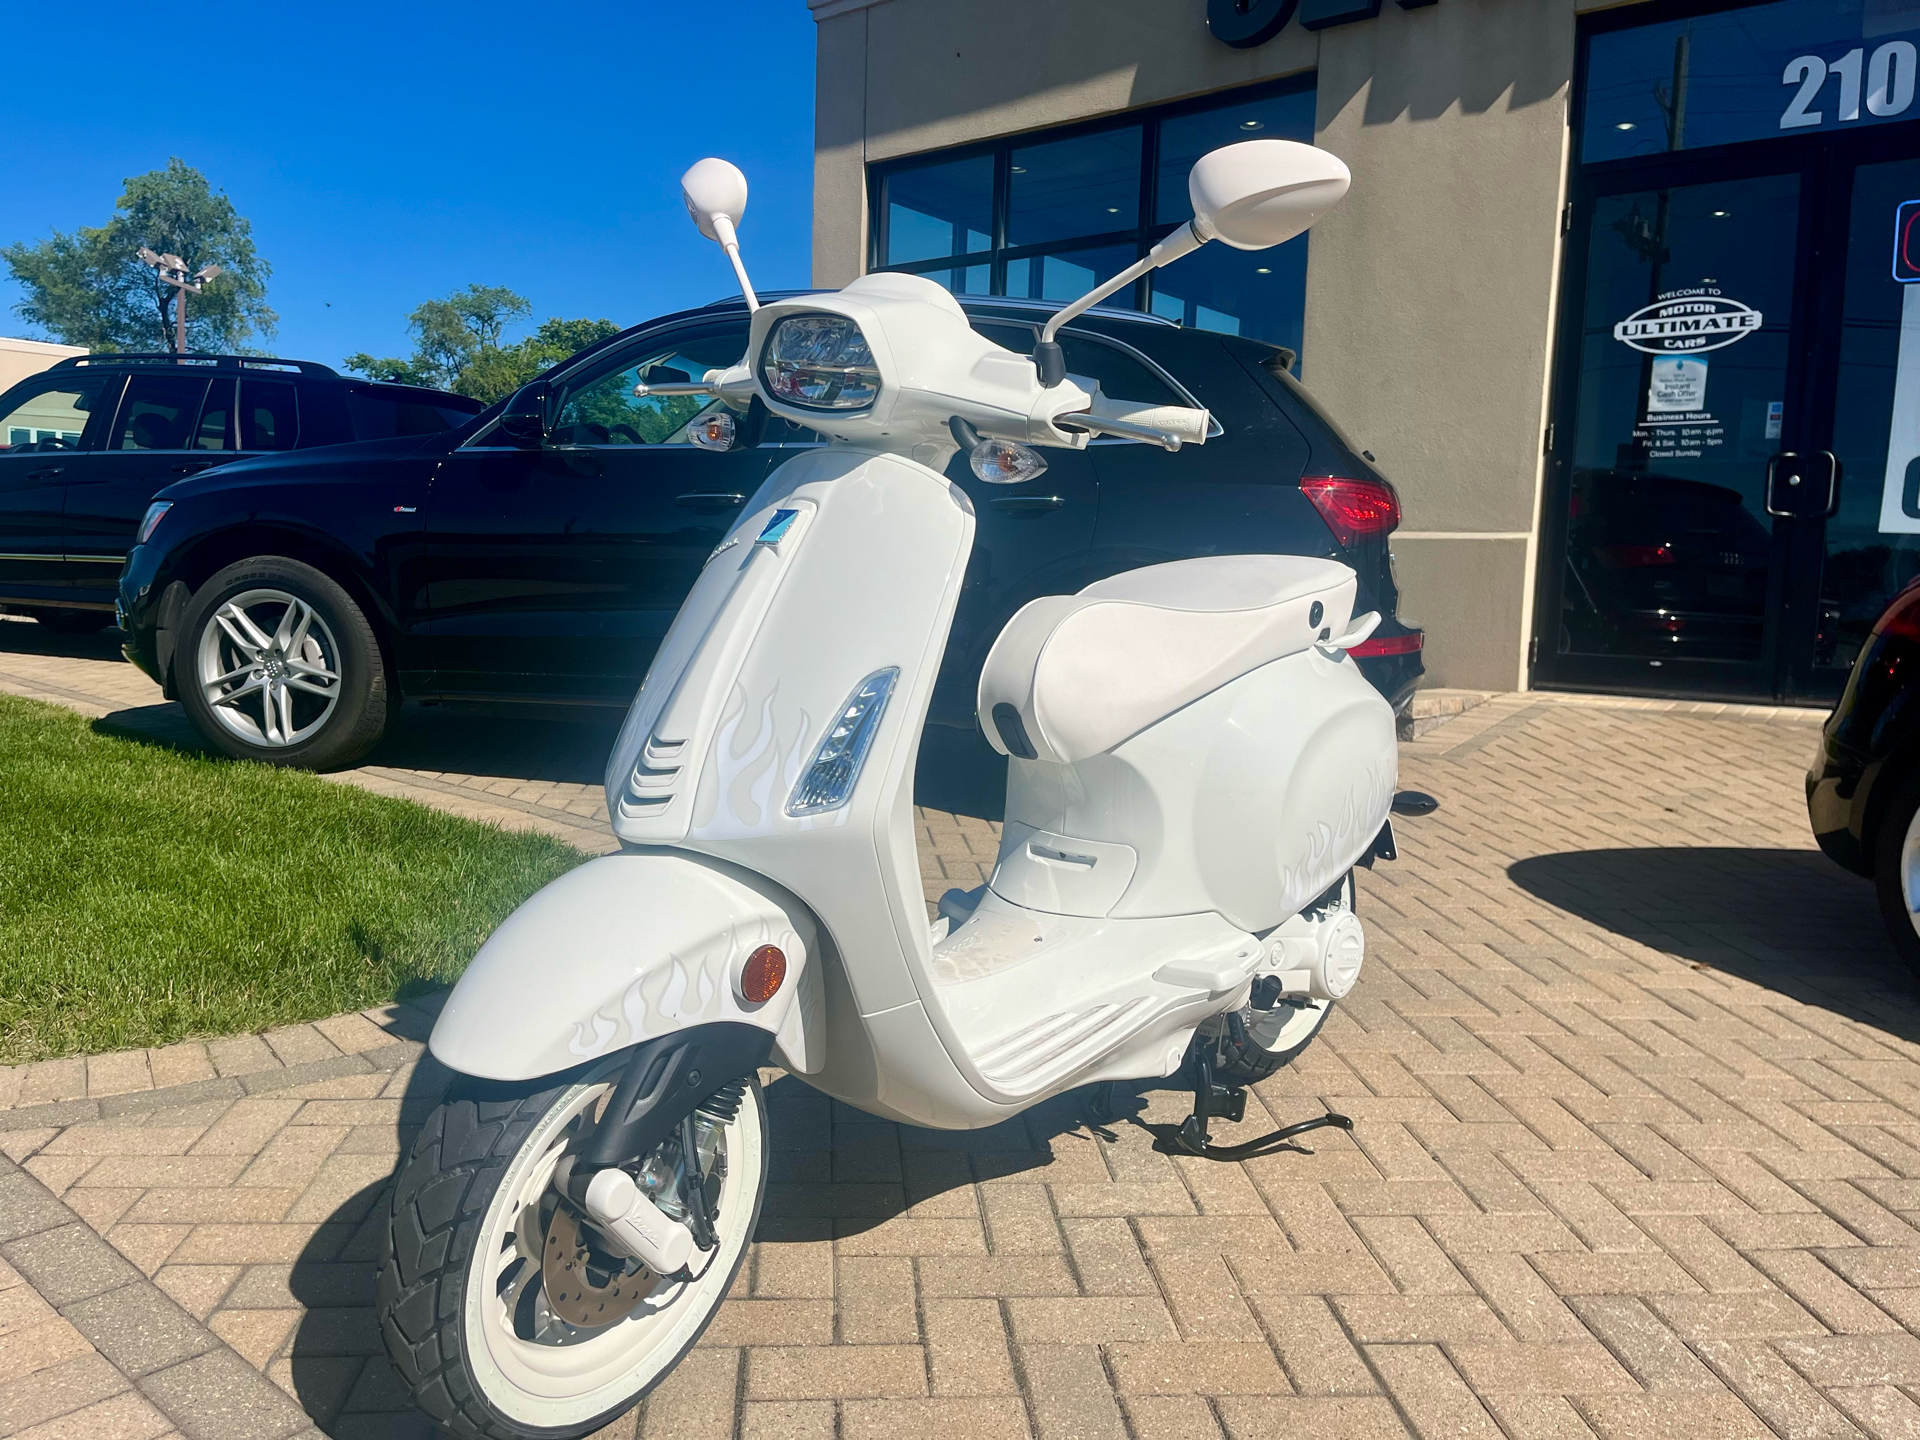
<point x="85" y="445"/>
<point x="289" y="601"/>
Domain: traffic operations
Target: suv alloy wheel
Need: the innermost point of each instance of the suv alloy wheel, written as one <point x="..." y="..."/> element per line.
<point x="277" y="663"/>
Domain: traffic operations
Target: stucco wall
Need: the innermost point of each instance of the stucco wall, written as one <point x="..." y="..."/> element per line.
<point x="1430" y="290"/>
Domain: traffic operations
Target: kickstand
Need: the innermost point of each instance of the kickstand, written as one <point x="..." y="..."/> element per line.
<point x="1229" y="1102"/>
<point x="1098" y="1110"/>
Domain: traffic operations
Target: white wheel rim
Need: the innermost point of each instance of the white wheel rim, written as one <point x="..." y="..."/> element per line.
<point x="269" y="668"/>
<point x="1910" y="872"/>
<point x="551" y="1385"/>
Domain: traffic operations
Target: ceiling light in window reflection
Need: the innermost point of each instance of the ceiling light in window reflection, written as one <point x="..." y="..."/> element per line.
<point x="1263" y="270"/>
<point x="1719" y="214"/>
<point x="1019" y="169"/>
<point x="1253" y="125"/>
<point x="1624" y="125"/>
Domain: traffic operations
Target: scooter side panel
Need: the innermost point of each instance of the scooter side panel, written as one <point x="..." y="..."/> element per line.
<point x="1248" y="803"/>
<point x="622" y="949"/>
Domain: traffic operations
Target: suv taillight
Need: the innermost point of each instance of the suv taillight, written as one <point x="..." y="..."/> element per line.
<point x="1902" y="617"/>
<point x="1355" y="510"/>
<point x="1410" y="643"/>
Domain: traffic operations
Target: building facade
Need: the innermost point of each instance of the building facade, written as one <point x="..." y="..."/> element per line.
<point x="1619" y="297"/>
<point x="21" y="358"/>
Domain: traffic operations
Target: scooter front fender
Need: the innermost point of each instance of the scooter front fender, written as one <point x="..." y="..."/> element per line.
<point x="624" y="949"/>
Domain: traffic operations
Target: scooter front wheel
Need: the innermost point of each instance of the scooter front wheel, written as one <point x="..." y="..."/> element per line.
<point x="502" y="1309"/>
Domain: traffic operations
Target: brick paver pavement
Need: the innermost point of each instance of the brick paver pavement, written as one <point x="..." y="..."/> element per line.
<point x="1636" y="1085"/>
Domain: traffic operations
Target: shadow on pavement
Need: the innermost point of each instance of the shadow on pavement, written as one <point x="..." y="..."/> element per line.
<point x="1790" y="920"/>
<point x="28" y="637"/>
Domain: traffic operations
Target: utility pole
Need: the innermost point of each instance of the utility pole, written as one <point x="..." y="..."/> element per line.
<point x="173" y="271"/>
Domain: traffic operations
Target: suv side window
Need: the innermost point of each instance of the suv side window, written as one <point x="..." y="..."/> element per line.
<point x="394" y="414"/>
<point x="159" y="412"/>
<point x="1121" y="376"/>
<point x="215" y="430"/>
<point x="269" y="415"/>
<point x="599" y="407"/>
<point x="56" y="412"/>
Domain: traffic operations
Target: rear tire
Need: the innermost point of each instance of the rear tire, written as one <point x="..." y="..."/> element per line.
<point x="460" y="1294"/>
<point x="1896" y="871"/>
<point x="277" y="663"/>
<point x="1265" y="1041"/>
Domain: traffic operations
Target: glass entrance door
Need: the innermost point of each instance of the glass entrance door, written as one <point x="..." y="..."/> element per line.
<point x="1733" y="479"/>
<point x="1871" y="547"/>
<point x="1672" y="570"/>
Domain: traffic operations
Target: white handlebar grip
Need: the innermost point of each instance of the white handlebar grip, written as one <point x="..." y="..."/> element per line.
<point x="1184" y="423"/>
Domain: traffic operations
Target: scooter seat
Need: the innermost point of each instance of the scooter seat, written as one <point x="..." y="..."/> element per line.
<point x="1074" y="675"/>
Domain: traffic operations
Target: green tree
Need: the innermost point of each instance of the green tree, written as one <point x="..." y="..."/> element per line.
<point x="91" y="288"/>
<point x="458" y="345"/>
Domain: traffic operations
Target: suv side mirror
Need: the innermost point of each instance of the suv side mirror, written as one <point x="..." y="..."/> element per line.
<point x="524" y="421"/>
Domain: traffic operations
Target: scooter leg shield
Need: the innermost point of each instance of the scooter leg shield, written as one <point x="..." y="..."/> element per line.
<point x="629" y="948"/>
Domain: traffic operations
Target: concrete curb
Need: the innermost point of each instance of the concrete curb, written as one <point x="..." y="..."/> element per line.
<point x="179" y="1366"/>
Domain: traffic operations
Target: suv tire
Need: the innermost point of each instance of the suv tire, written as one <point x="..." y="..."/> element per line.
<point x="277" y="663"/>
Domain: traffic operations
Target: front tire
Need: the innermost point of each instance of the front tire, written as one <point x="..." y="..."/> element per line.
<point x="1896" y="871"/>
<point x="461" y="1291"/>
<point x="277" y="663"/>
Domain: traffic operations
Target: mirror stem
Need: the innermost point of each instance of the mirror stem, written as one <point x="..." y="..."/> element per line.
<point x="1183" y="241"/>
<point x="730" y="242"/>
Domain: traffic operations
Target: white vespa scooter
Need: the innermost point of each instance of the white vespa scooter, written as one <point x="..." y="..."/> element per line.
<point x="1196" y="765"/>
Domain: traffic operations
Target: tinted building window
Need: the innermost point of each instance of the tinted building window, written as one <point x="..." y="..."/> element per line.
<point x="940" y="210"/>
<point x="1749" y="74"/>
<point x="1065" y="189"/>
<point x="1070" y="209"/>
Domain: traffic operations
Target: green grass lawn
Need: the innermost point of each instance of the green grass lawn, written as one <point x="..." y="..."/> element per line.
<point x="148" y="895"/>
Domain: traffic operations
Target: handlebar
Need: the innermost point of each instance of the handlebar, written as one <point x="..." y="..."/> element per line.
<point x="1168" y="426"/>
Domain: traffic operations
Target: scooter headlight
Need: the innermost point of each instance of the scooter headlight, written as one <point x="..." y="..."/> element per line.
<point x="820" y="362"/>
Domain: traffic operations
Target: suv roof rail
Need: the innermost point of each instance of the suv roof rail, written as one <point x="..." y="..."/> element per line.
<point x="214" y="362"/>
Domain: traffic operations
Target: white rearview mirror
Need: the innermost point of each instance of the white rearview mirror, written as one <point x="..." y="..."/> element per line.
<point x="716" y="195"/>
<point x="1261" y="193"/>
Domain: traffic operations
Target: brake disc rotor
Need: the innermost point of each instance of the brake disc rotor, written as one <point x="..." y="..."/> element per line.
<point x="573" y="1291"/>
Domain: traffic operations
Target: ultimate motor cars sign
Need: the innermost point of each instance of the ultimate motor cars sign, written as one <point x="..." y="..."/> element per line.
<point x="1684" y="323"/>
<point x="1244" y="24"/>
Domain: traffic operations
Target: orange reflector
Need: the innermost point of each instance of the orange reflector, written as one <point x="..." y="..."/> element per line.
<point x="762" y="975"/>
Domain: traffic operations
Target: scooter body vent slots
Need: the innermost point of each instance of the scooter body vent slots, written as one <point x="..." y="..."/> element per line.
<point x="1053" y="1043"/>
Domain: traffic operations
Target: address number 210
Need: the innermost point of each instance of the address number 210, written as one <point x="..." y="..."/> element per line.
<point x="1888" y="78"/>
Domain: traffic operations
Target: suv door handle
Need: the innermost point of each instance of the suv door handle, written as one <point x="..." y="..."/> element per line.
<point x="46" y="474"/>
<point x="193" y="467"/>
<point x="710" y="500"/>
<point x="1027" y="505"/>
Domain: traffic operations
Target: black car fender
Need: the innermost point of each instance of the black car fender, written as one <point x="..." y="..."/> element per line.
<point x="192" y="562"/>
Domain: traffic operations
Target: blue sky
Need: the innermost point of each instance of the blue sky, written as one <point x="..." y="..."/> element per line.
<point x="388" y="154"/>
